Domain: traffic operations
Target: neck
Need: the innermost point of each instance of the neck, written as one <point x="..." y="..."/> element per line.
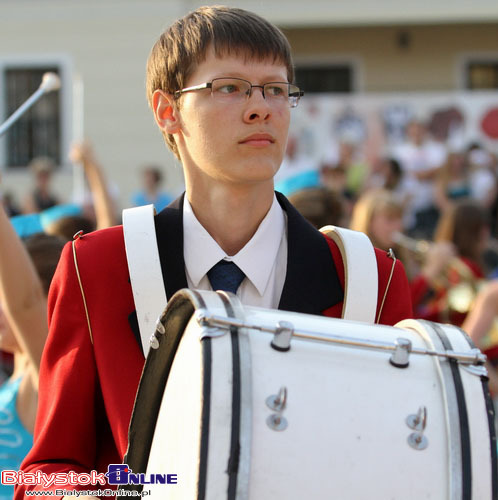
<point x="231" y="214"/>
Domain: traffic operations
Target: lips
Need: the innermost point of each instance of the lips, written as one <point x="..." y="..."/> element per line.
<point x="258" y="140"/>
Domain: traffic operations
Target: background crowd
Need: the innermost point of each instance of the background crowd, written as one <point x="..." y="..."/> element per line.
<point x="436" y="206"/>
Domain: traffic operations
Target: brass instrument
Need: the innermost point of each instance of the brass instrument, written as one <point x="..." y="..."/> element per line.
<point x="419" y="247"/>
<point x="461" y="295"/>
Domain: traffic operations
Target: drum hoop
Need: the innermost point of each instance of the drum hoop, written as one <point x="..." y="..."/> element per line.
<point x="154" y="378"/>
<point x="240" y="448"/>
<point x="492" y="433"/>
<point x="205" y="415"/>
<point x="491" y="421"/>
<point x="148" y="399"/>
<point x="463" y="416"/>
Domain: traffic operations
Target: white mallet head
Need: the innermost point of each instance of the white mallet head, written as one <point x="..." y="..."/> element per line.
<point x="50" y="81"/>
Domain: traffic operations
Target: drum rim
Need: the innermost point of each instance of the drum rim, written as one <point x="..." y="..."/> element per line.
<point x="491" y="419"/>
<point x="463" y="417"/>
<point x="148" y="399"/>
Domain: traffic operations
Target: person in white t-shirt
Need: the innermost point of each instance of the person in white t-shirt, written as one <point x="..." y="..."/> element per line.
<point x="421" y="159"/>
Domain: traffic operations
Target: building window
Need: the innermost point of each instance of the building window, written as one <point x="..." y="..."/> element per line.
<point x="333" y="78"/>
<point x="482" y="75"/>
<point x="38" y="131"/>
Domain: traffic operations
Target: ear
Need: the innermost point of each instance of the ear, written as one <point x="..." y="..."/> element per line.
<point x="165" y="112"/>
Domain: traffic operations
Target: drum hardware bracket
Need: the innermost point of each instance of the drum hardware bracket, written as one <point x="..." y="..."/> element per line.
<point x="277" y="422"/>
<point x="283" y="335"/>
<point x="154" y="342"/>
<point x="417" y="422"/>
<point x="278" y="401"/>
<point x="211" y="329"/>
<point x="160" y="327"/>
<point x="418" y="441"/>
<point x="479" y="371"/>
<point x="160" y="330"/>
<point x="400" y="356"/>
<point x="471" y="357"/>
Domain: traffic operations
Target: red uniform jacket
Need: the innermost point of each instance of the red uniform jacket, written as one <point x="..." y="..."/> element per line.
<point x="87" y="389"/>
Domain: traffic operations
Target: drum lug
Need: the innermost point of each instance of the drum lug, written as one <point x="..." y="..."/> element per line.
<point x="160" y="330"/>
<point x="154" y="342"/>
<point x="277" y="422"/>
<point x="278" y="401"/>
<point x="160" y="327"/>
<point x="282" y="337"/>
<point x="208" y="331"/>
<point x="479" y="371"/>
<point x="418" y="441"/>
<point x="401" y="354"/>
<point x="417" y="422"/>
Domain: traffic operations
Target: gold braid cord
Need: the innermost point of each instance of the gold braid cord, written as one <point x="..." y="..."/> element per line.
<point x="82" y="291"/>
<point x="391" y="255"/>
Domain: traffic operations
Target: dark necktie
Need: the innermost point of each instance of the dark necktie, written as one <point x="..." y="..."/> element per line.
<point x="225" y="275"/>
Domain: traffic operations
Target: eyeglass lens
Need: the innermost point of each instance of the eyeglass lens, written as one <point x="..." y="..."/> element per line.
<point x="237" y="89"/>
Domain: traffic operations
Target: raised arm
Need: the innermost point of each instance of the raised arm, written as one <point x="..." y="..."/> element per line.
<point x="480" y="320"/>
<point x="104" y="207"/>
<point x="21" y="293"/>
<point x="481" y="317"/>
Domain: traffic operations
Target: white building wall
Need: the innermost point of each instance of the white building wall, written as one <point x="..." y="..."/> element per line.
<point x="106" y="43"/>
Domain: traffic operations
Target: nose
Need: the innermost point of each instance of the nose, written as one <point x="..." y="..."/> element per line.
<point x="257" y="108"/>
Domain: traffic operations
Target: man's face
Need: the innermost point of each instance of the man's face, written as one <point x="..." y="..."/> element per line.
<point x="237" y="143"/>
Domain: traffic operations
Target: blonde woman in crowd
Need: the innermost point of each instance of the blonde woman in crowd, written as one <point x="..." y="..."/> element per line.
<point x="379" y="215"/>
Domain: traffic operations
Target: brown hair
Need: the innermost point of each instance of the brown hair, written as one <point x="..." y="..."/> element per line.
<point x="66" y="227"/>
<point x="462" y="224"/>
<point x="319" y="206"/>
<point x="228" y="30"/>
<point x="44" y="251"/>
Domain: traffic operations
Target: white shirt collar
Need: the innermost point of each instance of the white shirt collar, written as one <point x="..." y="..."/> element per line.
<point x="256" y="259"/>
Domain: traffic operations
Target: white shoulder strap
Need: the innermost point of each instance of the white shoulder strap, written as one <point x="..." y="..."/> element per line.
<point x="360" y="272"/>
<point x="145" y="269"/>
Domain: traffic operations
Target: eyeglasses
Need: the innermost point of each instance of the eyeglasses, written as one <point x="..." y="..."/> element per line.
<point x="234" y="90"/>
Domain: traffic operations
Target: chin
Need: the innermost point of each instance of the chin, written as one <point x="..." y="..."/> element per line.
<point x="262" y="169"/>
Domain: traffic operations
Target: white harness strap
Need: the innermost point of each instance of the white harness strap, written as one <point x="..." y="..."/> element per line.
<point x="144" y="266"/>
<point x="142" y="254"/>
<point x="360" y="271"/>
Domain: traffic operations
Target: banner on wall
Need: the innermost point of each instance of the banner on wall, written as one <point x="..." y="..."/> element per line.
<point x="376" y="122"/>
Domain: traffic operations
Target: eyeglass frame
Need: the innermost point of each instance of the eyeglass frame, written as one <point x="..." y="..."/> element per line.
<point x="209" y="85"/>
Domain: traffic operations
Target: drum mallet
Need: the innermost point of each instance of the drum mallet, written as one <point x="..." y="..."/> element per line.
<point x="50" y="81"/>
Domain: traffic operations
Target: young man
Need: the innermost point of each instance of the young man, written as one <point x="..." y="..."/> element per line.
<point x="218" y="82"/>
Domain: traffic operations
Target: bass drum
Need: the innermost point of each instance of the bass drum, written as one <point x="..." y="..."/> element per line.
<point x="246" y="403"/>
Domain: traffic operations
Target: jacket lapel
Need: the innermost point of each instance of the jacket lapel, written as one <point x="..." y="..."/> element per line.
<point x="311" y="283"/>
<point x="169" y="233"/>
